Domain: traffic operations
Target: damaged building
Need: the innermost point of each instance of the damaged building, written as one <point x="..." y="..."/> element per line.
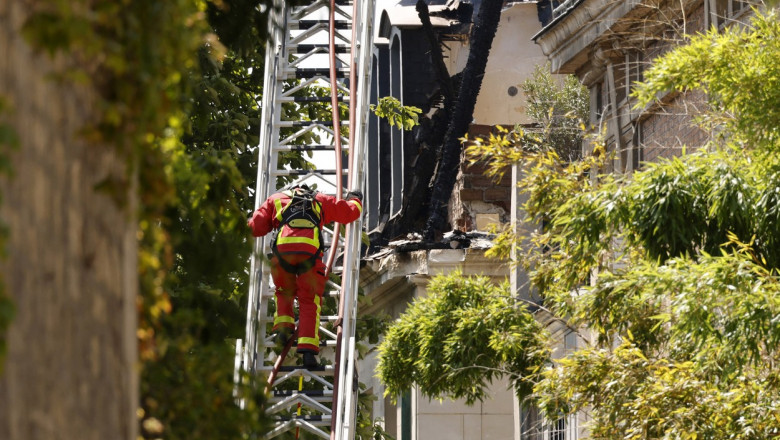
<point x="420" y="65"/>
<point x="607" y="44"/>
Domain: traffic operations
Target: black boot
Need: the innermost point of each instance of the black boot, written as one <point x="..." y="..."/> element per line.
<point x="281" y="337"/>
<point x="310" y="360"/>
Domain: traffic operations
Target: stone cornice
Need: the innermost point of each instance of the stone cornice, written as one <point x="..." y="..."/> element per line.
<point x="566" y="41"/>
<point x="592" y="31"/>
<point x="396" y="274"/>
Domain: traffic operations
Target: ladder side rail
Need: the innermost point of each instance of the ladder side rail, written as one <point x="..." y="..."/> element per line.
<point x="337" y="227"/>
<point x="267" y="160"/>
<point x="359" y="167"/>
<point x="249" y="358"/>
<point x="338" y="378"/>
<point x="346" y="401"/>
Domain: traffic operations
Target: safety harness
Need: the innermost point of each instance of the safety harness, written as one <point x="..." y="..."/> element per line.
<point x="303" y="211"/>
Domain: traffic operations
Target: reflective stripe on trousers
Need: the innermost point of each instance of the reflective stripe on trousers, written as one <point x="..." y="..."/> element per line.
<point x="307" y="288"/>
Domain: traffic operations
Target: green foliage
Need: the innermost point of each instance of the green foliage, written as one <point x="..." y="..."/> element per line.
<point x="677" y="264"/>
<point x="211" y="169"/>
<point x="367" y="428"/>
<point x="182" y="109"/>
<point x="699" y="343"/>
<point x="188" y="393"/>
<point x="673" y="208"/>
<point x="559" y="108"/>
<point x="8" y="141"/>
<point x="673" y="269"/>
<point x="738" y="69"/>
<point x="455" y="341"/>
<point x="405" y="117"/>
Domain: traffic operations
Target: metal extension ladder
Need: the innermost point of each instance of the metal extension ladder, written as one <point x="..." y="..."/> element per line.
<point x="325" y="42"/>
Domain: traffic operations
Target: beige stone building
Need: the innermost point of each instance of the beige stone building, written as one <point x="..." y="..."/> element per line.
<point x="399" y="272"/>
<point x="607" y="44"/>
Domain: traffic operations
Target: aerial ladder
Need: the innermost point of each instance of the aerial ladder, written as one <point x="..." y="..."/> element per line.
<point x="325" y="44"/>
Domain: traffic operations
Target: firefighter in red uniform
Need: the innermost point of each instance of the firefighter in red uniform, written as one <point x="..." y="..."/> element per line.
<point x="297" y="268"/>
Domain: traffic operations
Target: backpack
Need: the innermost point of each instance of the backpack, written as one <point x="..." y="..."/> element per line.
<point x="303" y="211"/>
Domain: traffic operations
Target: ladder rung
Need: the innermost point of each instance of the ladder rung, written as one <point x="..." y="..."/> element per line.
<point x="318" y="399"/>
<point x="304" y="148"/>
<point x="306" y="48"/>
<point x="329" y="293"/>
<point x="307" y="417"/>
<point x="315" y="420"/>
<point x="344" y="121"/>
<point x="308" y="24"/>
<point x="296" y="173"/>
<point x="312" y="99"/>
<point x="310" y="72"/>
<point x="323" y="343"/>
<point x="310" y="393"/>
<point x="326" y="369"/>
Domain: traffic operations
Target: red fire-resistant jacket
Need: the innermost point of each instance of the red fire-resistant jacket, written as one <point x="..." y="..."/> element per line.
<point x="305" y="241"/>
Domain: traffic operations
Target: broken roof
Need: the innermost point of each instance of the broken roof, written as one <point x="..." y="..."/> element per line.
<point x="403" y="14"/>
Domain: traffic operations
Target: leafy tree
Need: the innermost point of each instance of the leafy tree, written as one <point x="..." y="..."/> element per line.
<point x="209" y="238"/>
<point x="193" y="357"/>
<point x="404" y="117"/>
<point x="672" y="270"/>
<point x="560" y="108"/>
<point x="737" y="68"/>
<point x="456" y="340"/>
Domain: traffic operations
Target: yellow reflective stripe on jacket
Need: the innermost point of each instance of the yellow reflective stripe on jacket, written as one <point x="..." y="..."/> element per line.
<point x="278" y="208"/>
<point x="358" y="204"/>
<point x="313" y="241"/>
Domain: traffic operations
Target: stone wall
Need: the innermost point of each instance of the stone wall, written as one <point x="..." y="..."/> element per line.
<point x="70" y="269"/>
<point x="670" y="128"/>
<point x="479" y="200"/>
<point x="667" y="128"/>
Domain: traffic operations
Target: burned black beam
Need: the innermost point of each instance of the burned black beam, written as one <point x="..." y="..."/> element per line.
<point x="485" y="27"/>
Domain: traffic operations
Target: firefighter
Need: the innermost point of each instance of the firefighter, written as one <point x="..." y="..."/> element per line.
<point x="297" y="268"/>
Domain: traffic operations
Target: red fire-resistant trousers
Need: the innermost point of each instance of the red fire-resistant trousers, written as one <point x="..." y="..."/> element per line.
<point x="308" y="288"/>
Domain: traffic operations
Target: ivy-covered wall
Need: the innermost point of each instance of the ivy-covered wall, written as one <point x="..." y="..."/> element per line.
<point x="70" y="268"/>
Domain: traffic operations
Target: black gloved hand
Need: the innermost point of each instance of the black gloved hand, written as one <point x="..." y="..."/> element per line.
<point x="355" y="194"/>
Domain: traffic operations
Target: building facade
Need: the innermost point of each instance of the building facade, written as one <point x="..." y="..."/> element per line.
<point x="608" y="44"/>
<point x="398" y="270"/>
